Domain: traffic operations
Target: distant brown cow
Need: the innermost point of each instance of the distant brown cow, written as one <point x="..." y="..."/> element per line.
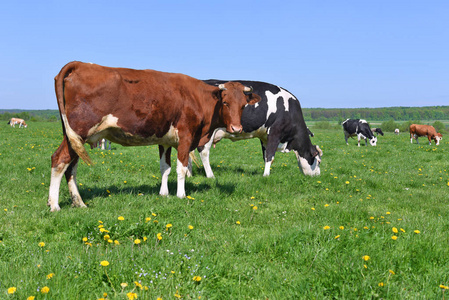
<point x="425" y="130"/>
<point x="138" y="107"/>
<point x="15" y="121"/>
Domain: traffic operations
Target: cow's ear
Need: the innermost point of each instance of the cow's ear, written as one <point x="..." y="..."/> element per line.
<point x="217" y="94"/>
<point x="253" y="98"/>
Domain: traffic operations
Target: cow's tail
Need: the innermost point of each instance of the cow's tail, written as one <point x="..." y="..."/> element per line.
<point x="194" y="158"/>
<point x="76" y="142"/>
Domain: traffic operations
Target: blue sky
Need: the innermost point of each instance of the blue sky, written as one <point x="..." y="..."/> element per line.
<point x="328" y="53"/>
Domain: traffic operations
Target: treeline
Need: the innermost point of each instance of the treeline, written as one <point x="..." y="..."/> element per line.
<point x="377" y="114"/>
<point x="48" y="115"/>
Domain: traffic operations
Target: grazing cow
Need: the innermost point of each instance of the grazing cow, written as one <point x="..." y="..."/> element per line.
<point x="278" y="122"/>
<point x="359" y="128"/>
<point x="15" y="121"/>
<point x="425" y="130"/>
<point x="138" y="107"/>
<point x="377" y="131"/>
<point x="396" y="131"/>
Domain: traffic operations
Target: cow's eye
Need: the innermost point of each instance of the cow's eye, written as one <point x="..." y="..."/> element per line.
<point x="225" y="103"/>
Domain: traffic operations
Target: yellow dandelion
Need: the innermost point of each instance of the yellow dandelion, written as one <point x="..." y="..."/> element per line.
<point x="254" y="207"/>
<point x="313" y="208"/>
<point x="391" y="272"/>
<point x="381" y="284"/>
<point x="116" y="242"/>
<point x="444" y="287"/>
<point x="336" y="237"/>
<point x="137" y="241"/>
<point x="394" y="229"/>
<point x="106" y="237"/>
<point x="168" y="226"/>
<point x="147" y="219"/>
<point x="401" y="229"/>
<point x="145" y="238"/>
<point x="104" y="263"/>
<point x="191" y="198"/>
<point x="50" y="276"/>
<point x="45" y="290"/>
<point x="190" y="227"/>
<point x="41" y="244"/>
<point x="31" y="298"/>
<point x="347" y="182"/>
<point x="12" y="290"/>
<point x="84" y="239"/>
<point x="197" y="278"/>
<point x="371" y="218"/>
<point x="326" y="227"/>
<point x="417" y="231"/>
<point x="131" y="296"/>
<point x="123" y="285"/>
<point x="394" y="238"/>
<point x="110" y="241"/>
<point x="159" y="236"/>
<point x="153" y="214"/>
<point x="341" y="227"/>
<point x="388" y="213"/>
<point x="138" y="285"/>
<point x="238" y="222"/>
<point x="365" y="266"/>
<point x="365" y="257"/>
<point x="121" y="218"/>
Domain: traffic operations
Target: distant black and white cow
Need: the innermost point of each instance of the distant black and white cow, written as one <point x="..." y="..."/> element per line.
<point x="377" y="131"/>
<point x="359" y="128"/>
<point x="278" y="122"/>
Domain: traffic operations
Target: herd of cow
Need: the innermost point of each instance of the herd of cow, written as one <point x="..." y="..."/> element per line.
<point x="145" y="107"/>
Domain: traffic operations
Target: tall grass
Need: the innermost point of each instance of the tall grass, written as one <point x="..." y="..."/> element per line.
<point x="239" y="236"/>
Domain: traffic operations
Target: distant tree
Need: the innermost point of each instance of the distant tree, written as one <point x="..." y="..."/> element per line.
<point x="389" y="126"/>
<point x="439" y="126"/>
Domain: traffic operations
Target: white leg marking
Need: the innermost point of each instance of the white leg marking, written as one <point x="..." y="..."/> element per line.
<point x="205" y="160"/>
<point x="55" y="183"/>
<point x="182" y="171"/>
<point x="266" y="171"/>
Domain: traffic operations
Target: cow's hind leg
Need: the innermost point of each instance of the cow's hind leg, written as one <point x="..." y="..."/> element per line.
<point x="60" y="161"/>
<point x="165" y="167"/>
<point x="70" y="176"/>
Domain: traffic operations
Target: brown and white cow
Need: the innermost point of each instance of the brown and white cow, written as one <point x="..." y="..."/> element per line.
<point x="15" y="121"/>
<point x="138" y="107"/>
<point x="425" y="130"/>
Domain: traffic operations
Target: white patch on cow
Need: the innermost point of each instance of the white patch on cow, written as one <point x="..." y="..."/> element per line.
<point x="309" y="170"/>
<point x="272" y="99"/>
<point x="363" y="121"/>
<point x="108" y="128"/>
<point x="373" y="141"/>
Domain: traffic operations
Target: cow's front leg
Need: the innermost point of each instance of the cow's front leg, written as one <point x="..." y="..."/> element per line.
<point x="269" y="152"/>
<point x="165" y="167"/>
<point x="70" y="176"/>
<point x="204" y="154"/>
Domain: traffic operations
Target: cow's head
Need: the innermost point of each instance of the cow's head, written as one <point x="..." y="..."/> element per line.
<point x="310" y="166"/>
<point x="373" y="141"/>
<point x="234" y="97"/>
<point x="438" y="137"/>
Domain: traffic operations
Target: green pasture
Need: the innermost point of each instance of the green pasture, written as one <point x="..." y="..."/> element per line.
<point x="374" y="224"/>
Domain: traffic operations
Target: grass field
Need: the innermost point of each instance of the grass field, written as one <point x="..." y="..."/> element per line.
<point x="373" y="225"/>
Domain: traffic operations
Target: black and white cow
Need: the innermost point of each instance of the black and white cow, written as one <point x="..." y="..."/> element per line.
<point x="377" y="131"/>
<point x="359" y="128"/>
<point x="278" y="122"/>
